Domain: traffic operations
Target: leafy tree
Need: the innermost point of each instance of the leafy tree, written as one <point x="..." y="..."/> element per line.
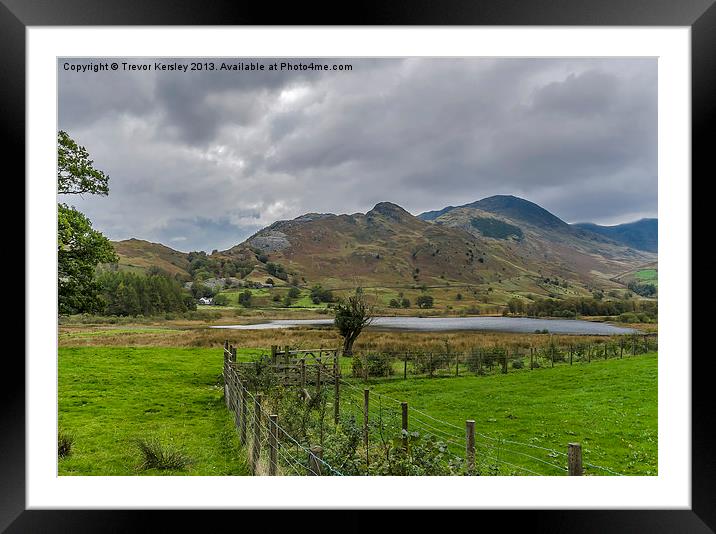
<point x="394" y="303"/>
<point x="294" y="292"/>
<point x="79" y="250"/>
<point x="424" y="301"/>
<point x="319" y="294"/>
<point x="352" y="315"/>
<point x="245" y="298"/>
<point x="221" y="299"/>
<point x="75" y="171"/>
<point x="405" y="302"/>
<point x="199" y="290"/>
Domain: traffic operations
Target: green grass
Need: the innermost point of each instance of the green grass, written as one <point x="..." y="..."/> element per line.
<point x="111" y="397"/>
<point x="610" y="407"/>
<point x="647" y="276"/>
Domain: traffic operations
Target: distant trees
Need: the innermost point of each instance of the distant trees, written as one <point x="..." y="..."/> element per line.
<point x="294" y="292"/>
<point x="352" y="315"/>
<point x="125" y="293"/>
<point x="245" y="298"/>
<point x="319" y="294"/>
<point x="516" y="306"/>
<point x="277" y="270"/>
<point x="424" y="301"/>
<point x="221" y="300"/>
<point x="645" y="290"/>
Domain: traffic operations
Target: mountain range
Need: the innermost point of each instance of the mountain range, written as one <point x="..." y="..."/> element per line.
<point x="501" y="242"/>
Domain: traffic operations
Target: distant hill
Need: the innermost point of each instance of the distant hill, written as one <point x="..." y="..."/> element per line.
<point x="504" y="241"/>
<point x="642" y="234"/>
<point x="499" y="245"/>
<point x="508" y="206"/>
<point x="138" y="255"/>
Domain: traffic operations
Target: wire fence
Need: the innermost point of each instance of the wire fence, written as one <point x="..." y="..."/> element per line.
<point x="496" y="359"/>
<point x="385" y="432"/>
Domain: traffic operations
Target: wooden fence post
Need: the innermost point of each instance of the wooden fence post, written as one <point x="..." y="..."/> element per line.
<point x="404" y="408"/>
<point x="589" y="353"/>
<point x="570" y="355"/>
<point x="274" y="353"/>
<point x="551" y="350"/>
<point x="457" y="364"/>
<point x="621" y="347"/>
<point x="314" y="457"/>
<point x="233" y="354"/>
<point x="504" y="362"/>
<point x="302" y="364"/>
<point x="574" y="459"/>
<point x="244" y="414"/>
<point x="257" y="434"/>
<point x="470" y="445"/>
<point x="273" y="444"/>
<point x="336" y="390"/>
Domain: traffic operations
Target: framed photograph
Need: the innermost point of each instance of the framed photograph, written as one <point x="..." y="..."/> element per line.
<point x="417" y="256"/>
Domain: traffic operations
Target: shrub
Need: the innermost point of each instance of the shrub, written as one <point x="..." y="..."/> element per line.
<point x="518" y="364"/>
<point x="394" y="303"/>
<point x="378" y="364"/>
<point x="65" y="440"/>
<point x="424" y="301"/>
<point x="156" y="455"/>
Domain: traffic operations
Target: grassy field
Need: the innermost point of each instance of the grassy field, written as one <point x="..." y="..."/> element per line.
<point x="647" y="276"/>
<point x="109" y="396"/>
<point x="610" y="407"/>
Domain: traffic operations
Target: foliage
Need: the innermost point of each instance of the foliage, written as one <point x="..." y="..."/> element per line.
<point x="378" y="364"/>
<point x="157" y="455"/>
<point x="424" y="301"/>
<point x="75" y="171"/>
<point x="352" y="315"/>
<point x="277" y="270"/>
<point x="425" y="456"/>
<point x="245" y="298"/>
<point x="293" y="292"/>
<point x="125" y="293"/>
<point x="79" y="250"/>
<point x="319" y="294"/>
<point x="645" y="290"/>
<point x="221" y="299"/>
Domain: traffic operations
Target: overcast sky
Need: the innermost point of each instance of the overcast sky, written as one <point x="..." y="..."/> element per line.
<point x="201" y="160"/>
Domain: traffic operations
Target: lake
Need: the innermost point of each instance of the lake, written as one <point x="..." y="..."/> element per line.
<point x="441" y="324"/>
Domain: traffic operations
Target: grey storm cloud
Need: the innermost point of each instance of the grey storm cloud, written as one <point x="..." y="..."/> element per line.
<point x="201" y="160"/>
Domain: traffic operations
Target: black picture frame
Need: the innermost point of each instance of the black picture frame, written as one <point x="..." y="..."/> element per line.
<point x="699" y="15"/>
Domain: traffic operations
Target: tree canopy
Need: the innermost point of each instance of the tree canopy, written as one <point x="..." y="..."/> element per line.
<point x="80" y="248"/>
<point x="352" y="315"/>
<point x="75" y="171"/>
